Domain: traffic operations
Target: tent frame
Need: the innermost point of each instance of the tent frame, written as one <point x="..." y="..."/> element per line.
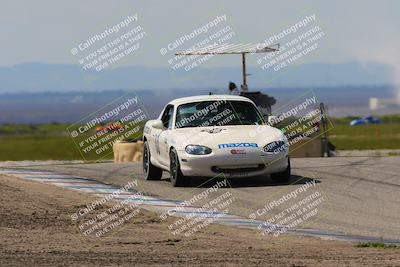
<point x="230" y="49"/>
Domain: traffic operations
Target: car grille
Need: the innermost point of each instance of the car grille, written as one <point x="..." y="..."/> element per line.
<point x="239" y="169"/>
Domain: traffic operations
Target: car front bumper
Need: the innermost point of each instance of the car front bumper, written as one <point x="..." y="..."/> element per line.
<point x="239" y="165"/>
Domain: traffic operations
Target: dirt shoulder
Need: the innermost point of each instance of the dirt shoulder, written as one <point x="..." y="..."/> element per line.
<point x="36" y="230"/>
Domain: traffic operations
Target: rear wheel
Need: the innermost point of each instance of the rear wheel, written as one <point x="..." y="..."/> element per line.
<point x="150" y="171"/>
<point x="177" y="178"/>
<point x="282" y="177"/>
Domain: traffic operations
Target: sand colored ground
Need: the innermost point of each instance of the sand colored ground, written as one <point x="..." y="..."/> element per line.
<point x="36" y="230"/>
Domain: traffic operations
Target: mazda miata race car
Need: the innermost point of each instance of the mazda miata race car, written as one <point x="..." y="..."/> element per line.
<point x="213" y="135"/>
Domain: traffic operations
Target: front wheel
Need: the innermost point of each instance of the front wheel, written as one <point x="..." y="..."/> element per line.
<point x="177" y="178"/>
<point x="282" y="177"/>
<point x="150" y="171"/>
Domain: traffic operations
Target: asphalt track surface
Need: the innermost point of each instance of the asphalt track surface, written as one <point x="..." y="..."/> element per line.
<point x="361" y="194"/>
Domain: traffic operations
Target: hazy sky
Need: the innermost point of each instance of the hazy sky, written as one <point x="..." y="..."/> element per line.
<point x="46" y="30"/>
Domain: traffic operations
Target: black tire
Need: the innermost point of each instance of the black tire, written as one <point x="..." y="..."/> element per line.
<point x="150" y="171"/>
<point x="177" y="178"/>
<point x="282" y="177"/>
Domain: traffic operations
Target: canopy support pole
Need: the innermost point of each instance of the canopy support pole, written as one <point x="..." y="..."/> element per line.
<point x="244" y="69"/>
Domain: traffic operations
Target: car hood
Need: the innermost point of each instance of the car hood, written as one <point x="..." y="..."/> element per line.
<point x="213" y="137"/>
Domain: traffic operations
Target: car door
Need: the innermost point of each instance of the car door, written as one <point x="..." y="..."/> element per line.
<point x="162" y="146"/>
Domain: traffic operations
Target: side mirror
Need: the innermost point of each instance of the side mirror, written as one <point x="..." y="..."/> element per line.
<point x="272" y="120"/>
<point x="157" y="124"/>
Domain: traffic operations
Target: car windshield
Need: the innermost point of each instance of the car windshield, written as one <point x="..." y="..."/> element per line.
<point x="217" y="113"/>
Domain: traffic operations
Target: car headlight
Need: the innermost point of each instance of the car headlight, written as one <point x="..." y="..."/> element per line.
<point x="276" y="147"/>
<point x="197" y="150"/>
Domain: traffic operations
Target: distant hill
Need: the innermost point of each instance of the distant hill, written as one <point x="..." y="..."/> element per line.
<point x="69" y="107"/>
<point x="35" y="93"/>
<point x="37" y="77"/>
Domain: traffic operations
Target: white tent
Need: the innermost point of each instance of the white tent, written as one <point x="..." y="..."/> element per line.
<point x="231" y="49"/>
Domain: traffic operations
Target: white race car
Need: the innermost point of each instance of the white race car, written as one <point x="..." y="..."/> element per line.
<point x="213" y="135"/>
